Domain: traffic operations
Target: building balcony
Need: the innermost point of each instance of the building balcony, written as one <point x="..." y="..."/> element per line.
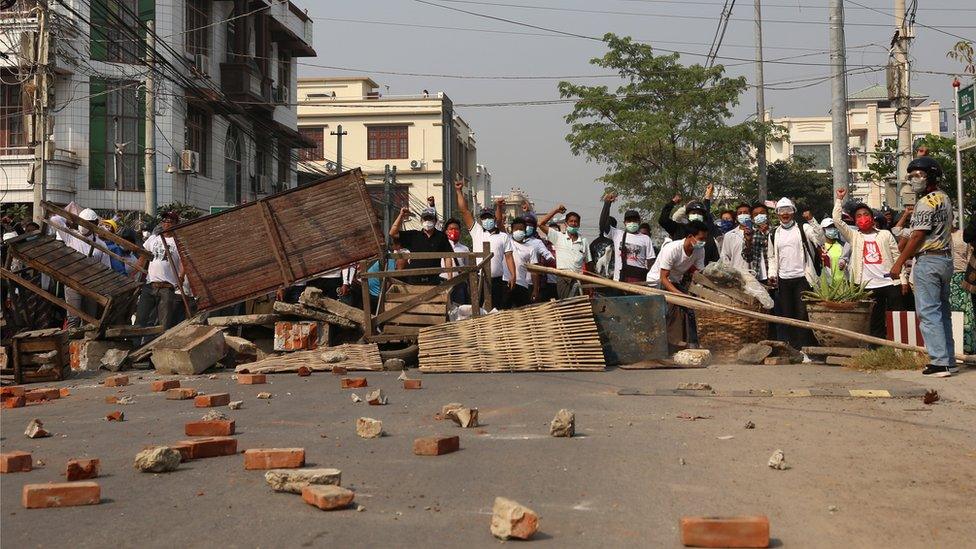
<point x="243" y="83"/>
<point x="17" y="163"/>
<point x="291" y="28"/>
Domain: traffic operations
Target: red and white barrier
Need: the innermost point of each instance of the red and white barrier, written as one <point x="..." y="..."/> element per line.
<point x="903" y="328"/>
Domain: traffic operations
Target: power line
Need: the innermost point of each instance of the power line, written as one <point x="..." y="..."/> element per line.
<point x="723" y="24"/>
<point x="936" y="29"/>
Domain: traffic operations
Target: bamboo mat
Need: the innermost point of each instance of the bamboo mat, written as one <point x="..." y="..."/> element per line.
<point x="553" y="336"/>
<point x="359" y="357"/>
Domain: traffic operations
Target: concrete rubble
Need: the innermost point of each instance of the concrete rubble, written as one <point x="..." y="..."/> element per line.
<point x="35" y="429"/>
<point x="294" y="480"/>
<point x="463" y="417"/>
<point x="510" y="519"/>
<point x="376" y="398"/>
<point x="778" y="461"/>
<point x="369" y="428"/>
<point x="693" y="357"/>
<point x="564" y="424"/>
<point x="159" y="459"/>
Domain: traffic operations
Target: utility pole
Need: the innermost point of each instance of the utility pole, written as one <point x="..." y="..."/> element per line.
<point x="41" y="98"/>
<point x="150" y="164"/>
<point x="838" y="89"/>
<point x="339" y="133"/>
<point x="389" y="180"/>
<point x="955" y="111"/>
<point x="760" y="106"/>
<point x="903" y="112"/>
<point x="118" y="157"/>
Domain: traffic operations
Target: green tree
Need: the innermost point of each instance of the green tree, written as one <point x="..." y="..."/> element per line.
<point x="663" y="130"/>
<point x="797" y="180"/>
<point x="943" y="149"/>
<point x="884" y="161"/>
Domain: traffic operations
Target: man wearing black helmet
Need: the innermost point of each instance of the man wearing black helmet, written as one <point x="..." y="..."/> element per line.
<point x="931" y="246"/>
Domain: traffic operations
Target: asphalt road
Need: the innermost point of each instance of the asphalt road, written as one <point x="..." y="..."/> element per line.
<point x="865" y="472"/>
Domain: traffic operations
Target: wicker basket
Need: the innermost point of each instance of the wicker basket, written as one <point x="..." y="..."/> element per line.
<point x="725" y="333"/>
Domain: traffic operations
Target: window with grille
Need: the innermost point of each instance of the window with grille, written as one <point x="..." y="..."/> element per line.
<point x="198" y="130"/>
<point x="116" y="116"/>
<point x="116" y="33"/>
<point x="198" y="29"/>
<point x="284" y="166"/>
<point x="386" y="142"/>
<point x="316" y="134"/>
<point x="12" y="112"/>
<point x="820" y="154"/>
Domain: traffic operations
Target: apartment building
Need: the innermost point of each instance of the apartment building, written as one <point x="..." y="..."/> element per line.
<point x="225" y="122"/>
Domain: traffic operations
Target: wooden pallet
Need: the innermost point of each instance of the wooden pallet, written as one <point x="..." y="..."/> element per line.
<point x="553" y="336"/>
<point x="30" y="347"/>
<point x="359" y="357"/>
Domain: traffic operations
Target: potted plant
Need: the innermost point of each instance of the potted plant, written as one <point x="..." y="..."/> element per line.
<point x="842" y="304"/>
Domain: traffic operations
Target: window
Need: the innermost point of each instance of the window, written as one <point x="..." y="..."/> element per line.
<point x="116" y="116"/>
<point x="12" y="116"/>
<point x="284" y="78"/>
<point x="262" y="168"/>
<point x="116" y="34"/>
<point x="386" y="142"/>
<point x="198" y="135"/>
<point x="819" y="153"/>
<point x="284" y="166"/>
<point x="317" y="135"/>
<point x="198" y="27"/>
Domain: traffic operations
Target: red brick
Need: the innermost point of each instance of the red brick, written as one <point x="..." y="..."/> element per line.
<point x="13" y="390"/>
<point x="116" y="381"/>
<point x="296" y="335"/>
<point x="74" y="353"/>
<point x="304" y="371"/>
<point x="274" y="458"/>
<point x="436" y="446"/>
<point x="327" y="497"/>
<point x="353" y="382"/>
<point x="117" y="415"/>
<point x="165" y="385"/>
<point x="210" y="428"/>
<point x="181" y="393"/>
<point x="185" y="449"/>
<point x="252" y="379"/>
<point x="725" y="531"/>
<point x="210" y="447"/>
<point x="16" y="462"/>
<point x="40" y="395"/>
<point x="209" y="401"/>
<point x="63" y="392"/>
<point x="339" y="370"/>
<point x="60" y="494"/>
<point x="14" y="402"/>
<point x="82" y="469"/>
<point x="411" y="383"/>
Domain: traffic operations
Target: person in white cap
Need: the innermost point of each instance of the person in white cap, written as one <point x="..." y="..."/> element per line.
<point x="794" y="265"/>
<point x="84" y="247"/>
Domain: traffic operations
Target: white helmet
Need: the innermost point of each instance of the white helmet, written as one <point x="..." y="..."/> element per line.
<point x="89" y="214"/>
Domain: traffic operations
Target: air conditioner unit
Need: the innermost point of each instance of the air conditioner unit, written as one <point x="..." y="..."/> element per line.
<point x="201" y="63"/>
<point x="189" y="161"/>
<point x="261" y="183"/>
<point x="416" y="164"/>
<point x="331" y="166"/>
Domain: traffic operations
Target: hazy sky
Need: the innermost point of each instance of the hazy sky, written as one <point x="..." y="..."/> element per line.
<point x="525" y="145"/>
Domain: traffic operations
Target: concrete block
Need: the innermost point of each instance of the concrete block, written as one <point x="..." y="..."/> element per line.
<point x="191" y="351"/>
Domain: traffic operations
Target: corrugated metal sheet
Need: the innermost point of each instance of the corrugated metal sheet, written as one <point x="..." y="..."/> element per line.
<point x="259" y="247"/>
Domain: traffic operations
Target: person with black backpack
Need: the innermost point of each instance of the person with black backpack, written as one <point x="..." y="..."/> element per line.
<point x="794" y="265"/>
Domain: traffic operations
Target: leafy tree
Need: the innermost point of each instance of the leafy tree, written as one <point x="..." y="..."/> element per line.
<point x="796" y="179"/>
<point x="943" y="149"/>
<point x="663" y="130"/>
<point x="884" y="161"/>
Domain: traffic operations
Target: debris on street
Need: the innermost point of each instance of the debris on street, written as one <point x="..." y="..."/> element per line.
<point x="158" y="459"/>
<point x="294" y="480"/>
<point x="778" y="461"/>
<point x="463" y="417"/>
<point x="35" y="429"/>
<point x="369" y="428"/>
<point x="564" y="424"/>
<point x="327" y="497"/>
<point x="509" y="519"/>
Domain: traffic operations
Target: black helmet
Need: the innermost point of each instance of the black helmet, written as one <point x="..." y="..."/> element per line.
<point x="928" y="165"/>
<point x="695" y="205"/>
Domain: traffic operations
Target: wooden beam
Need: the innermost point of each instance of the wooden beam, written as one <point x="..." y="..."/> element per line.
<point x="418" y="272"/>
<point x="438" y="255"/>
<point x="276" y="246"/>
<point x="94" y="244"/>
<point x="418" y="299"/>
<point x="367" y="306"/>
<point x="48" y="296"/>
<point x="139" y="251"/>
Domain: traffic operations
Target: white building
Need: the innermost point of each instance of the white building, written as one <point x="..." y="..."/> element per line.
<point x="482" y="187"/>
<point x="225" y="128"/>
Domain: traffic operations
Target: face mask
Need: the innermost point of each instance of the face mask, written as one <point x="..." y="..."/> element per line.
<point x="744" y="220"/>
<point x="698" y="244"/>
<point x="453" y="235"/>
<point x="488" y="224"/>
<point x="428" y="225"/>
<point x="832" y="234"/>
<point x="865" y="222"/>
<point x="529" y="230"/>
<point x="918" y="184"/>
<point x="761" y="219"/>
<point x="726" y="225"/>
<point x="632" y="227"/>
<point x="572" y="230"/>
<point x="518" y="235"/>
<point x="788" y="225"/>
<point x="696" y="217"/>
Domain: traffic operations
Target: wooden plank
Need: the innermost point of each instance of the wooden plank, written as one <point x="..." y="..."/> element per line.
<point x="438" y="255"/>
<point x="94" y="244"/>
<point x="95" y="228"/>
<point x="132" y="331"/>
<point x="41" y="250"/>
<point x="417" y="272"/>
<point x="313" y="297"/>
<point x="269" y="226"/>
<point x="244" y="320"/>
<point x="429" y="309"/>
<point x="48" y="296"/>
<point x="835" y="351"/>
<point x="419" y="320"/>
<point x="441" y="288"/>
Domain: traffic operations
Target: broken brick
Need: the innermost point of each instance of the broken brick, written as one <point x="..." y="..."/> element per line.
<point x="35" y="429"/>
<point x="725" y="531"/>
<point x="376" y="398"/>
<point x="116" y="381"/>
<point x="185" y="449"/>
<point x="14" y="402"/>
<point x="63" y="392"/>
<point x="464" y="417"/>
<point x="16" y="462"/>
<point x="117" y="415"/>
<point x="299" y="335"/>
<point x="210" y="428"/>
<point x="208" y="401"/>
<point x="12" y="391"/>
<point x="436" y="446"/>
<point x="274" y="458"/>
<point x="352" y="382"/>
<point x="252" y="379"/>
<point x="60" y="494"/>
<point x="367" y="427"/>
<point x="327" y="497"/>
<point x="82" y="469"/>
<point x="304" y="371"/>
<point x="181" y="393"/>
<point x="40" y="395"/>
<point x="210" y="447"/>
<point x="411" y="384"/>
<point x="339" y="370"/>
<point x="165" y="385"/>
<point x="510" y="519"/>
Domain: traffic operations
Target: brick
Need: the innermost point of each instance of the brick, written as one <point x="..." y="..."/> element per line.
<point x="210" y="428"/>
<point x="274" y="458"/>
<point x="353" y="382"/>
<point x="185" y="449"/>
<point x="165" y="385"/>
<point x="339" y="370"/>
<point x="725" y="531"/>
<point x="327" y="497"/>
<point x="252" y="379"/>
<point x="181" y="393"/>
<point x="64" y="392"/>
<point x="13" y="390"/>
<point x="510" y="519"/>
<point x="296" y="335"/>
<point x="82" y="469"/>
<point x="16" y="462"/>
<point x="116" y="381"/>
<point x="209" y="401"/>
<point x="60" y="494"/>
<point x="117" y="415"/>
<point x="777" y="361"/>
<point x="74" y="354"/>
<point x="411" y="384"/>
<point x="210" y="447"/>
<point x="14" y="402"/>
<point x="436" y="446"/>
<point x="304" y="371"/>
<point x="40" y="395"/>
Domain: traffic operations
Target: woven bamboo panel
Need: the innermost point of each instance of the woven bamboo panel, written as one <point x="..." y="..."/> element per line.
<point x="558" y="335"/>
<point x="359" y="357"/>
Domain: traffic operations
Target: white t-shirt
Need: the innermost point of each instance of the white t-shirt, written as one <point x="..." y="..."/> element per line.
<point x="499" y="244"/>
<point x="873" y="271"/>
<point x="79" y="245"/>
<point x="570" y="254"/>
<point x="544" y="254"/>
<point x="524" y="254"/>
<point x="674" y="259"/>
<point x="732" y="247"/>
<point x="160" y="270"/>
<point x="789" y="252"/>
<point x="639" y="249"/>
<point x="458" y="248"/>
